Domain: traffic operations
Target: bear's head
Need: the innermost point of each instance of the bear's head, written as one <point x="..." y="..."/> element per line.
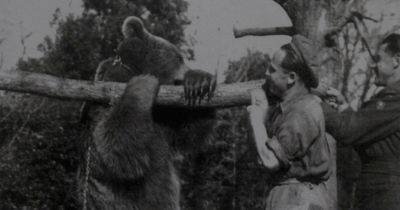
<point x="145" y="53"/>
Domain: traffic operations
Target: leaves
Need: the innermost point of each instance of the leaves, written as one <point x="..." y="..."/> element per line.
<point x="39" y="155"/>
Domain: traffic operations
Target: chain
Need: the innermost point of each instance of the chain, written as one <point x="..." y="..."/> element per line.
<point x="87" y="173"/>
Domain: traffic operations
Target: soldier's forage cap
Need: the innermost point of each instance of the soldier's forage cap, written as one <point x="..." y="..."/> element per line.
<point x="305" y="49"/>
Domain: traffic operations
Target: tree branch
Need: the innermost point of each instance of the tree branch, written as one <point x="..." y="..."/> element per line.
<point x="22" y="127"/>
<point x="288" y="30"/>
<point x="226" y="95"/>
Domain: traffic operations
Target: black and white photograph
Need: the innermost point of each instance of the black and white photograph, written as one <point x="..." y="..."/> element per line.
<point x="200" y="105"/>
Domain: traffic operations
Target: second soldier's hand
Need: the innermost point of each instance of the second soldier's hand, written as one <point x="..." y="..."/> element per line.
<point x="258" y="108"/>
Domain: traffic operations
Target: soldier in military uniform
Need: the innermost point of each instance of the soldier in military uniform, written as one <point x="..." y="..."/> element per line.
<point x="374" y="132"/>
<point x="290" y="135"/>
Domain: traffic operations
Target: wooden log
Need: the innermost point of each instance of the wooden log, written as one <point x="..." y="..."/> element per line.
<point x="263" y="31"/>
<point x="226" y="95"/>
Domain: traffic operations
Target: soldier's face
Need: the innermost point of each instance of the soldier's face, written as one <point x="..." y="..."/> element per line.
<point x="386" y="67"/>
<point x="276" y="76"/>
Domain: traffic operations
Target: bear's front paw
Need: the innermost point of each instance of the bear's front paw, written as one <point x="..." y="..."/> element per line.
<point x="198" y="84"/>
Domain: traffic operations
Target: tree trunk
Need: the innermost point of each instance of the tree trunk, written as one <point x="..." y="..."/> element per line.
<point x="104" y="92"/>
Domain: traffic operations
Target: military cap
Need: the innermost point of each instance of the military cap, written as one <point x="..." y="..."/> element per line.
<point x="307" y="52"/>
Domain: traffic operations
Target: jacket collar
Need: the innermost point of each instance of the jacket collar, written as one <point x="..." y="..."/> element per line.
<point x="287" y="103"/>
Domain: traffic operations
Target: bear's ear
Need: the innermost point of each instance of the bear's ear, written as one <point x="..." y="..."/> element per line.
<point x="133" y="27"/>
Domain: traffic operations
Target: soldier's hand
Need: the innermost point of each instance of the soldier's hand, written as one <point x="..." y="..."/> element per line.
<point x="335" y="95"/>
<point x="336" y="99"/>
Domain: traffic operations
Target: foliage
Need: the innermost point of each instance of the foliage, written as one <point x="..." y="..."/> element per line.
<point x="227" y="173"/>
<point x="251" y="178"/>
<point x="39" y="153"/>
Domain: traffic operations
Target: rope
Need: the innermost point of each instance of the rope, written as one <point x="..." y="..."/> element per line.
<point x="87" y="173"/>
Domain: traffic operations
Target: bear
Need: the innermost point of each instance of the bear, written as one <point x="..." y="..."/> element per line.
<point x="130" y="156"/>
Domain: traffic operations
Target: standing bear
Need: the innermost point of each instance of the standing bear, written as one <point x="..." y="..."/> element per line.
<point x="130" y="158"/>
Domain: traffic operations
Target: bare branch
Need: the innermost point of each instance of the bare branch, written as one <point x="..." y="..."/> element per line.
<point x="226" y="95"/>
<point x="1" y="59"/>
<point x="23" y="38"/>
<point x="1" y="53"/>
<point x="22" y="127"/>
<point x="357" y="19"/>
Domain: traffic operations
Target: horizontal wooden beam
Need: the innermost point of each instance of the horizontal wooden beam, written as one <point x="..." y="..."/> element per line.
<point x="226" y="95"/>
<point x="263" y="31"/>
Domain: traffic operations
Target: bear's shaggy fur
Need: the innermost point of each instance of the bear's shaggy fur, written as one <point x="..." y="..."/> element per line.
<point x="131" y="164"/>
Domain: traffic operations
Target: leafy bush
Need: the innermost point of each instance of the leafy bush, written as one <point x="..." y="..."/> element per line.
<point x="39" y="154"/>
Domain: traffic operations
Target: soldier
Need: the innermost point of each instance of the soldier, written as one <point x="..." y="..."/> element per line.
<point x="374" y="132"/>
<point x="290" y="135"/>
